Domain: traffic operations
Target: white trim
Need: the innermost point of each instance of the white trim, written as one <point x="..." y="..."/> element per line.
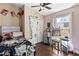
<point x="76" y="51"/>
<point x="70" y="14"/>
<point x="71" y="25"/>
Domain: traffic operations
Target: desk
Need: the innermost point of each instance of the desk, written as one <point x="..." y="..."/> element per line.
<point x="58" y="44"/>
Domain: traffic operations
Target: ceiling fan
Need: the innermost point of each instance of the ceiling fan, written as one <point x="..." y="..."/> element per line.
<point x="42" y="6"/>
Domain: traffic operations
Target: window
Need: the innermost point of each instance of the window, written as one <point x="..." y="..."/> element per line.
<point x="62" y="21"/>
<point x="64" y="24"/>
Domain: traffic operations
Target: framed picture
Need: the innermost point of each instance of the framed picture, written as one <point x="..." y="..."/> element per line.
<point x="12" y="13"/>
<point x="4" y="12"/>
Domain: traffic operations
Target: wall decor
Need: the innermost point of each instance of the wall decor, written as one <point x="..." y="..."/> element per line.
<point x="21" y="12"/>
<point x="12" y="13"/>
<point x="4" y="12"/>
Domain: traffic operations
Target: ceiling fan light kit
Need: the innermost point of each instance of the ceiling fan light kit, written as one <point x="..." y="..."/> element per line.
<point x="43" y="6"/>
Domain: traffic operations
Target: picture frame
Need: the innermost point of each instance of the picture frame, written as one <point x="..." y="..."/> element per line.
<point x="4" y="12"/>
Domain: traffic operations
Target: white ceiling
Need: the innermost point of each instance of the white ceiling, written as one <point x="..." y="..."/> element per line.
<point x="55" y="7"/>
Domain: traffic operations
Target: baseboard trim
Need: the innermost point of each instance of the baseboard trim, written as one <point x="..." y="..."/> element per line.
<point x="39" y="42"/>
<point x="76" y="51"/>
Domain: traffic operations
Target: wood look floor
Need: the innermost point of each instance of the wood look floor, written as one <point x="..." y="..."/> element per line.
<point x="45" y="50"/>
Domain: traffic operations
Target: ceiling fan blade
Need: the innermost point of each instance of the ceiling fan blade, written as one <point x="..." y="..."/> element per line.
<point x="47" y="7"/>
<point x="47" y="3"/>
<point x="40" y="10"/>
<point x="44" y="4"/>
<point x="35" y="6"/>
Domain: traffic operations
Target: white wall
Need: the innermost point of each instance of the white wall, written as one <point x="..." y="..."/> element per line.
<point x="8" y="20"/>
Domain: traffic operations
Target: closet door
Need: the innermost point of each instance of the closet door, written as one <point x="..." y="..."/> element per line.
<point x="33" y="23"/>
<point x="40" y="30"/>
<point x="37" y="30"/>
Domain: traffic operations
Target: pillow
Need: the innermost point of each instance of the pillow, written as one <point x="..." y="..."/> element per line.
<point x="8" y="36"/>
<point x="17" y="34"/>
